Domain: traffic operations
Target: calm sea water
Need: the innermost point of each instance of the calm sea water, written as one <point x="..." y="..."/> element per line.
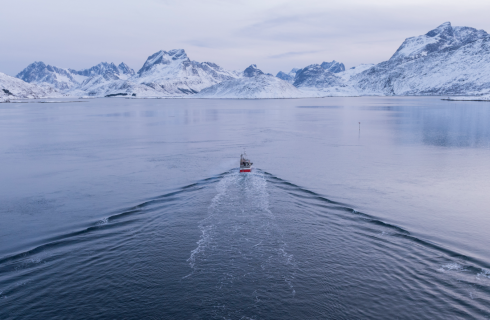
<point x="133" y="209"/>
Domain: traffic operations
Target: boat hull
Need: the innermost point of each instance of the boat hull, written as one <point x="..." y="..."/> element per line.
<point x="245" y="169"/>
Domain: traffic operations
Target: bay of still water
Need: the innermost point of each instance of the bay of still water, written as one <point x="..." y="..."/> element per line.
<point x="132" y="209"/>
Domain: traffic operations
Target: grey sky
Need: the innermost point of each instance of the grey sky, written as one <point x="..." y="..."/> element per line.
<point x="274" y="34"/>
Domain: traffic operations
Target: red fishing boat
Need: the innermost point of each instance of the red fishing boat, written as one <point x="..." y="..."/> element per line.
<point x="245" y="164"/>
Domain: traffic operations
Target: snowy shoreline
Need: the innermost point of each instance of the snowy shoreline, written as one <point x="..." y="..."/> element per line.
<point x="469" y="98"/>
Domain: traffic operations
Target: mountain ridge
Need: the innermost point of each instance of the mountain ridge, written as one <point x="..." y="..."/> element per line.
<point x="445" y="60"/>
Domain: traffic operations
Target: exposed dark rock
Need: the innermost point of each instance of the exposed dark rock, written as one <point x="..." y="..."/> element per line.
<point x="316" y="76"/>
<point x="188" y="91"/>
<point x="284" y="76"/>
<point x="252" y="71"/>
<point x="116" y="94"/>
<point x="334" y="66"/>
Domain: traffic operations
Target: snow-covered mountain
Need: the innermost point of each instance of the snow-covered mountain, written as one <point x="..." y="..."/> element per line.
<point x="318" y="81"/>
<point x="13" y="88"/>
<point x="101" y="87"/>
<point x="172" y="73"/>
<point x="446" y="60"/>
<point x="40" y="73"/>
<point x="443" y="37"/>
<point x="316" y="76"/>
<point x="122" y="71"/>
<point x="333" y="67"/>
<point x="164" y="74"/>
<point x="253" y="85"/>
<point x="69" y="79"/>
<point x="252" y="71"/>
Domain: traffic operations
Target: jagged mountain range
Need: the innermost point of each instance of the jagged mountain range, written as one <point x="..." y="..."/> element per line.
<point x="66" y="79"/>
<point x="447" y="60"/>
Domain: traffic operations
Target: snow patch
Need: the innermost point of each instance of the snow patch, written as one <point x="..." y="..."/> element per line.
<point x="258" y="87"/>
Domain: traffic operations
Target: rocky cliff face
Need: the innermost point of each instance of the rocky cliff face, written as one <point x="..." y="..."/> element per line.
<point x="334" y="66"/>
<point x="316" y="76"/>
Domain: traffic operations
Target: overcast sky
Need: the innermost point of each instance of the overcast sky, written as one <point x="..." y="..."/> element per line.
<point x="274" y="34"/>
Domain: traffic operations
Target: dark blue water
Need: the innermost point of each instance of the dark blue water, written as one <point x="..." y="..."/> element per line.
<point x="132" y="209"/>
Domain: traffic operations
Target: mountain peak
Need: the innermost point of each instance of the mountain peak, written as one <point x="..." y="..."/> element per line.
<point x="164" y="58"/>
<point x="39" y="72"/>
<point x="334" y="66"/>
<point x="125" y="69"/>
<point x="252" y="71"/>
<point x="443" y="28"/>
<point x="444" y="25"/>
<point x="444" y="37"/>
<point x="177" y="54"/>
<point x="38" y="64"/>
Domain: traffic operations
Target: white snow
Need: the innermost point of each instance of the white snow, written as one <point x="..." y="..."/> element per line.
<point x="258" y="87"/>
<point x="22" y="90"/>
<point x="445" y="61"/>
<point x="461" y="71"/>
<point x="78" y="78"/>
<point x="337" y="91"/>
<point x="174" y="74"/>
<point x="470" y="98"/>
<point x="347" y="74"/>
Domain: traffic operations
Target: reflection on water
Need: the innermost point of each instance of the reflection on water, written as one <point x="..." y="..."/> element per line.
<point x="123" y="208"/>
<point x="319" y="107"/>
<point x="445" y="126"/>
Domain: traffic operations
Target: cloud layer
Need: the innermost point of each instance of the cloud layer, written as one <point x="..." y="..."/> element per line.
<point x="275" y="34"/>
